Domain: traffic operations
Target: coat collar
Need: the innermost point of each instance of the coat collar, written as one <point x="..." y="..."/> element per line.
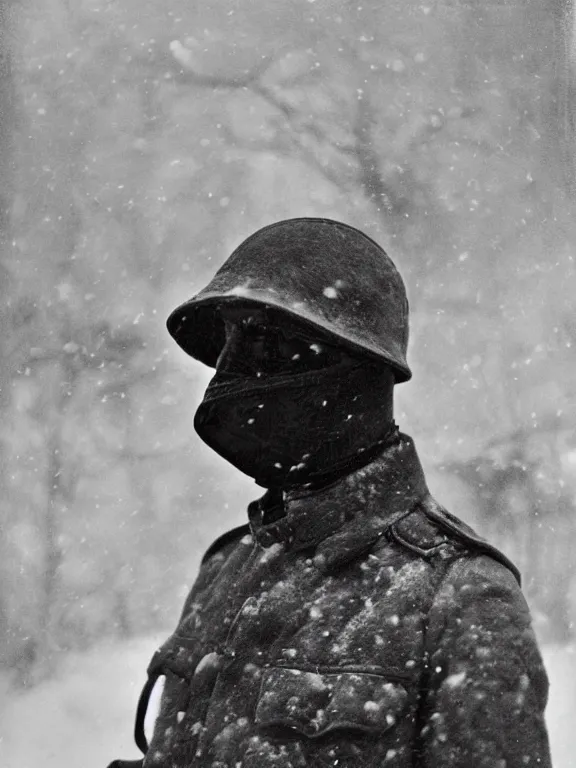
<point x="347" y="517"/>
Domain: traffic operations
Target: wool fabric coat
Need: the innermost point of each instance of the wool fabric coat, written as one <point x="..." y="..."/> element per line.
<point x="366" y="627"/>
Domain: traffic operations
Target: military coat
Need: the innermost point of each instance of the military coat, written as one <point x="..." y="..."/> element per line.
<point x="366" y="627"/>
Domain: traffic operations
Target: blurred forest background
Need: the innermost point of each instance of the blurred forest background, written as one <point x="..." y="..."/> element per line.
<point x="140" y="141"/>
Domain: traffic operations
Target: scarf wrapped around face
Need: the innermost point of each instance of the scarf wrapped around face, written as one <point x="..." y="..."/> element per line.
<point x="289" y="418"/>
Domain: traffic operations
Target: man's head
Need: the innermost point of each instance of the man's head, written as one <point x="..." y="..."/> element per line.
<point x="307" y="340"/>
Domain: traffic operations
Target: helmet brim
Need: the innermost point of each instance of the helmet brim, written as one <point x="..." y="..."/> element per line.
<point x="198" y="328"/>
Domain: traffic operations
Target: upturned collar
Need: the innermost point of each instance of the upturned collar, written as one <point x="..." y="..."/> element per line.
<point x="348" y="515"/>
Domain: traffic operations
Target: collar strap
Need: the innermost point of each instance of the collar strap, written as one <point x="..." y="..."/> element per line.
<point x="268" y="515"/>
<point x="370" y="497"/>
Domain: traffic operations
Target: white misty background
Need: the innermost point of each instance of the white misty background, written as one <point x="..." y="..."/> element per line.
<point x="140" y="141"/>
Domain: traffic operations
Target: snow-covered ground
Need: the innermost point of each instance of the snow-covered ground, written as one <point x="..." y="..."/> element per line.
<point x="84" y="718"/>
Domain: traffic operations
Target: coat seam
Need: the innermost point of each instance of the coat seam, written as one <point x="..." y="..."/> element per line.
<point x="335" y="670"/>
<point x="426" y="655"/>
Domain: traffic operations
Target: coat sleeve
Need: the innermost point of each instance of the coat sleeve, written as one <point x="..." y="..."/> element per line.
<point x="486" y="690"/>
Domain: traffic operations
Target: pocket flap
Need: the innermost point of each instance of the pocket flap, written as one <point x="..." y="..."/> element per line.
<point x="315" y="703"/>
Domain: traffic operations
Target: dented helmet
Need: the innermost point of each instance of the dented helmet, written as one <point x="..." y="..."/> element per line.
<point x="324" y="273"/>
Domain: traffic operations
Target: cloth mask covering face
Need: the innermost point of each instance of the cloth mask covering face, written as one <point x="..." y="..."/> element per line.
<point x="289" y="410"/>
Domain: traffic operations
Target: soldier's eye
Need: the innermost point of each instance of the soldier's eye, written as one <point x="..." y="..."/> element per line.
<point x="253" y="328"/>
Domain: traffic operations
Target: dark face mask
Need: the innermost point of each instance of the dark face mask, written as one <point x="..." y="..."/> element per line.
<point x="288" y="408"/>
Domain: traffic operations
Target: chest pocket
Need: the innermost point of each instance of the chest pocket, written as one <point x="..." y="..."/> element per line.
<point x="314" y="703"/>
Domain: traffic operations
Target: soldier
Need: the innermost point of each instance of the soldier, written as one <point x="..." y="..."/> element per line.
<point x="353" y="622"/>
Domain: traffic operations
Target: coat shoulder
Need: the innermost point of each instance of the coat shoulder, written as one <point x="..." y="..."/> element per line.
<point x="226" y="538"/>
<point x="429" y="528"/>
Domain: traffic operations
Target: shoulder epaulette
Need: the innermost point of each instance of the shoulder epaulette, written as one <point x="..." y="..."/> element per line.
<point x="453" y="526"/>
<point x="226" y="538"/>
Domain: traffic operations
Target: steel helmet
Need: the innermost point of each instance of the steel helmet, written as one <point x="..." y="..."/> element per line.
<point x="326" y="274"/>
